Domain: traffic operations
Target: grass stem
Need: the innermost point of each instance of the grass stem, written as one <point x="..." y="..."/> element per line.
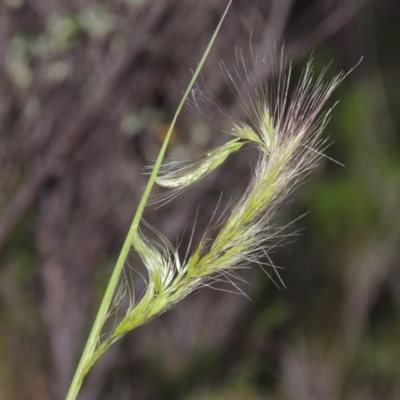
<point x="85" y="362"/>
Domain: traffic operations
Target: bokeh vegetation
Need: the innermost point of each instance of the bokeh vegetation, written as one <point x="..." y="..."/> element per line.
<point x="87" y="89"/>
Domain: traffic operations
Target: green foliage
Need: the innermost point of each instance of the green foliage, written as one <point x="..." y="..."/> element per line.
<point x="342" y="208"/>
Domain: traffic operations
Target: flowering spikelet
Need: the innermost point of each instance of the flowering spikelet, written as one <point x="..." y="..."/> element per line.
<point x="287" y="131"/>
<point x="178" y="175"/>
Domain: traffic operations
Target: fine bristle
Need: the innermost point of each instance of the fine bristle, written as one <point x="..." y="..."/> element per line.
<point x="286" y="127"/>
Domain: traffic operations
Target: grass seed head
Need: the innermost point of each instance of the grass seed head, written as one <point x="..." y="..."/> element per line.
<point x="286" y="127"/>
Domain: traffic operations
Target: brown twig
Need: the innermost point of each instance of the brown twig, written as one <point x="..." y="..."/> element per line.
<point x="326" y="28"/>
<point x="273" y="35"/>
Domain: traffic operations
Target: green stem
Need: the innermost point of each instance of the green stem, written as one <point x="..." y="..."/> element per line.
<point x="85" y="361"/>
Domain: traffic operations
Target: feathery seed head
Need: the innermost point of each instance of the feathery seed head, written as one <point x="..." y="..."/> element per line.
<point x="244" y="132"/>
<point x="267" y="130"/>
<point x="286" y="128"/>
<point x="287" y="131"/>
<point x="178" y="175"/>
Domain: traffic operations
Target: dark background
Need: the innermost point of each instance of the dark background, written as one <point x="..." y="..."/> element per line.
<point x="87" y="90"/>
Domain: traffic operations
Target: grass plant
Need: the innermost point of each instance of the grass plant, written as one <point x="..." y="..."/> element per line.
<point x="285" y="126"/>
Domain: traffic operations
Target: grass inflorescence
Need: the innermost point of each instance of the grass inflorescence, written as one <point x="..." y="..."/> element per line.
<point x="287" y="131"/>
<point x="285" y="126"/>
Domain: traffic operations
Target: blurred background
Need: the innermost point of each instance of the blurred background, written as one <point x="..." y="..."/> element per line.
<point x="87" y="90"/>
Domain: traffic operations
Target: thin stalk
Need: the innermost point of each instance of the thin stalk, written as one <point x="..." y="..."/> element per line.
<point x="94" y="336"/>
